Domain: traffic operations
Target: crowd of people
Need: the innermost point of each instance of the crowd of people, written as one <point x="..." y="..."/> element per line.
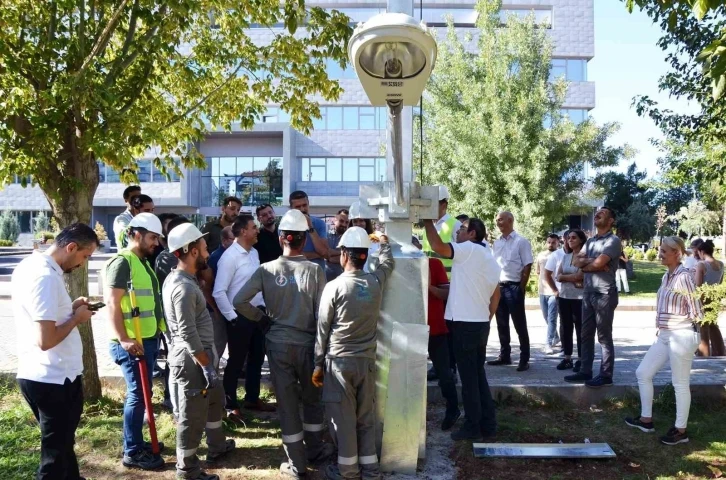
<point x="309" y="301"/>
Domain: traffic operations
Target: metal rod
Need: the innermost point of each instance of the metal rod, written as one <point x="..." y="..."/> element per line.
<point x="395" y="147"/>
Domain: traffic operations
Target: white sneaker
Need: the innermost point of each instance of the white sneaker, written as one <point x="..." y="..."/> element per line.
<point x="548" y="350"/>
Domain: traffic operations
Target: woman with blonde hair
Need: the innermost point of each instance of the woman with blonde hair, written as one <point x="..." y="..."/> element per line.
<point x="677" y="312"/>
<point x="709" y="271"/>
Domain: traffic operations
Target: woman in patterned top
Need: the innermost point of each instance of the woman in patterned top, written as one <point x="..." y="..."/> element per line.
<point x="676" y="340"/>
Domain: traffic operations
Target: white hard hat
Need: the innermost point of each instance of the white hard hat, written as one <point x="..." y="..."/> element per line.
<point x="182" y="235"/>
<point x="443" y="193"/>
<point x="354" y="211"/>
<point x="147" y="221"/>
<point x="355" y="237"/>
<point x="294" y="221"/>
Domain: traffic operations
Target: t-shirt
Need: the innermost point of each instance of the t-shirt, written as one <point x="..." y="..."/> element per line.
<point x="268" y="245"/>
<point x="622" y="264"/>
<point x="603" y="281"/>
<point x="214" y="257"/>
<point x="322" y="229"/>
<point x="543" y="287"/>
<point x="437" y="277"/>
<point x="118" y="274"/>
<point x="165" y="263"/>
<point x="214" y="239"/>
<point x="474" y="277"/>
<point x="333" y="270"/>
<point x="39" y="293"/>
<point x="569" y="290"/>
<point x="553" y="264"/>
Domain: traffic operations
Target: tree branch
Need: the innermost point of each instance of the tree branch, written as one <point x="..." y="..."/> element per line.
<point x="82" y="28"/>
<point x="103" y="40"/>
<point x="127" y="42"/>
<point x="138" y="89"/>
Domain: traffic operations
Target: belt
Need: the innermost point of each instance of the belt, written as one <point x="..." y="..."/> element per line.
<point x="504" y="284"/>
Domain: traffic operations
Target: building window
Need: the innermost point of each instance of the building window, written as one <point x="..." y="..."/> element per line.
<point x="438" y="17"/>
<point x="330" y="169"/>
<point x="145" y="170"/>
<point x="351" y="118"/>
<point x="573" y="69"/>
<point x="542" y="16"/>
<point x="254" y="180"/>
<point x="576" y="115"/>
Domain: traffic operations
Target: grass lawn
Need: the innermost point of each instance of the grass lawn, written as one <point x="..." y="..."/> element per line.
<point x="521" y="419"/>
<point x="648" y="276"/>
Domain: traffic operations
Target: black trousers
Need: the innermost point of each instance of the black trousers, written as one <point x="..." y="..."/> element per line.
<point x="570" y="319"/>
<point x="512" y="304"/>
<point x="450" y="341"/>
<point x="439" y="355"/>
<point x="245" y="339"/>
<point x="58" y="409"/>
<point x="470" y="340"/>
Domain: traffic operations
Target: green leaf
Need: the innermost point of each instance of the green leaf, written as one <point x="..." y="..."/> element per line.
<point x="719" y="85"/>
<point x="700" y="8"/>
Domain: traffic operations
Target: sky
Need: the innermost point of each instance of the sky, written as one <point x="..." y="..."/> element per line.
<point x="628" y="63"/>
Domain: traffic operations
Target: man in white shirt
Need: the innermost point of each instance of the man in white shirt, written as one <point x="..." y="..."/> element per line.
<point x="124" y="218"/>
<point x="50" y="353"/>
<point x="473" y="299"/>
<point x="514" y="255"/>
<point x="245" y="338"/>
<point x="547" y="294"/>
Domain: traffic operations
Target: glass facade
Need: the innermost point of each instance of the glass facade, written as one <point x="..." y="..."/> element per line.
<point x="576" y="115"/>
<point x="337" y="118"/>
<point x="254" y="180"/>
<point x="346" y="169"/>
<point x="573" y="69"/>
<point x="145" y="170"/>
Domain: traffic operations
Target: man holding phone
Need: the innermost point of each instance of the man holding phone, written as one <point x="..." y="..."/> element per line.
<point x="50" y="353"/>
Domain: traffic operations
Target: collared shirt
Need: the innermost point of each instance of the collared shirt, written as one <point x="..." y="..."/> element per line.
<point x="268" y="245"/>
<point x="119" y="225"/>
<point x="441" y="221"/>
<point x="677" y="308"/>
<point x="38" y="294"/>
<point x="608" y="244"/>
<point x="474" y="274"/>
<point x="322" y="230"/>
<point x="513" y="253"/>
<point x="234" y="269"/>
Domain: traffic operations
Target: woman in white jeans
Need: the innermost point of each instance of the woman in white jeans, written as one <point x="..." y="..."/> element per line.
<point x="676" y="342"/>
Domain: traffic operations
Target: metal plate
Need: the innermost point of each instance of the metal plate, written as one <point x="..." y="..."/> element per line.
<point x="543" y="450"/>
<point x="404" y="407"/>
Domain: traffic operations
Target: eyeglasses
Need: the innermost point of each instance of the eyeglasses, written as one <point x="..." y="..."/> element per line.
<point x="262" y="207"/>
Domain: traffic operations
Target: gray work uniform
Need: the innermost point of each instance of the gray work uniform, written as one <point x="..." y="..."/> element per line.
<point x="346" y="347"/>
<point x="192" y="332"/>
<point x="291" y="288"/>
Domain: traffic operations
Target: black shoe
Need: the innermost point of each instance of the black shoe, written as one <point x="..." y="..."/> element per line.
<point x="326" y="450"/>
<point x="143" y="460"/>
<point x="523" y="366"/>
<point x="213" y="458"/>
<point x="467" y="433"/>
<point x="565" y="365"/>
<point x="500" y="361"/>
<point x="577" y="366"/>
<point x="431" y="375"/>
<point x="578" y="378"/>
<point x="674" y="437"/>
<point x="147" y="446"/>
<point x="599" y="382"/>
<point x="450" y="419"/>
<point x="642" y="426"/>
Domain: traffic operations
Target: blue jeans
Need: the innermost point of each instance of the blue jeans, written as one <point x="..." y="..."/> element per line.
<point x="134" y="404"/>
<point x="548" y="303"/>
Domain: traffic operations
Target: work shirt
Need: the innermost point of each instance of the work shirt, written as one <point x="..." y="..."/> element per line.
<point x="437" y="278"/>
<point x="512" y="253"/>
<point x="187" y="317"/>
<point x="291" y="287"/>
<point x="118" y="274"/>
<point x="474" y="277"/>
<point x="349" y="312"/>
<point x="322" y="230"/>
<point x="268" y="245"/>
<point x="39" y="293"/>
<point x="553" y="264"/>
<point x="676" y="306"/>
<point x="234" y="270"/>
<point x="119" y="226"/>
<point x="214" y="237"/>
<point x="603" y="281"/>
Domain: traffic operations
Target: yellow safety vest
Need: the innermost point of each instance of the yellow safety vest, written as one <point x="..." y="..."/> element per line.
<point x="447" y="236"/>
<point x="145" y="299"/>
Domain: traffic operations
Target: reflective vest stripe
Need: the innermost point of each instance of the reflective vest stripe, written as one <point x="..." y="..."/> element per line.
<point x="142" y="315"/>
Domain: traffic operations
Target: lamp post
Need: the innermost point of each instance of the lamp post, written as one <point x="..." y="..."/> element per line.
<point x="393" y="55"/>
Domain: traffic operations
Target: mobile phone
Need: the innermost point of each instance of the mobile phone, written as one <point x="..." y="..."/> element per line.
<point x="94" y="307"/>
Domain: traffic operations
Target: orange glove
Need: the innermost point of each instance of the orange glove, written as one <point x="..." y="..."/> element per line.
<point x="318" y="377"/>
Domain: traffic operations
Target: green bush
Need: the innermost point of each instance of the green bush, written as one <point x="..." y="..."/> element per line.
<point x="638" y="255"/>
<point x="41" y="223"/>
<point x="629" y="251"/>
<point x="651" y="254"/>
<point x="45" y="236"/>
<point x="6" y="243"/>
<point x="9" y="227"/>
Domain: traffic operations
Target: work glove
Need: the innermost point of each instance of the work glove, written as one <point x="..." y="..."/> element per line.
<point x="318" y="377"/>
<point x="265" y="324"/>
<point x="211" y="375"/>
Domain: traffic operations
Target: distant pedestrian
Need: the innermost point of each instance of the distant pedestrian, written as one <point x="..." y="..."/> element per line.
<point x="621" y="276"/>
<point x="50" y="352"/>
<point x="333" y="269"/>
<point x="122" y="221"/>
<point x="268" y="241"/>
<point x="599" y="262"/>
<point x="513" y="253"/>
<point x="230" y="210"/>
<point x="547" y="294"/>
<point x="709" y="271"/>
<point x="677" y="313"/>
<point x="569" y="300"/>
<point x="692" y="255"/>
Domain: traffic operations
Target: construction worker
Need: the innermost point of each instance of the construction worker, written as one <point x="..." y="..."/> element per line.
<point x="345" y="350"/>
<point x="194" y="358"/>
<point x="291" y="287"/>
<point x="130" y="266"/>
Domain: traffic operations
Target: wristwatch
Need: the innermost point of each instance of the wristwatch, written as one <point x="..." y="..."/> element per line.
<point x="311" y="230"/>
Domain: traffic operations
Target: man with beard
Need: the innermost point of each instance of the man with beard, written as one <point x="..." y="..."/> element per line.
<point x="130" y="267"/>
<point x="193" y="358"/>
<point x="244" y="337"/>
<point x="333" y="269"/>
<point x="268" y="242"/>
<point x="122" y="220"/>
<point x="316" y="246"/>
<point x="230" y="209"/>
<point x="50" y="353"/>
